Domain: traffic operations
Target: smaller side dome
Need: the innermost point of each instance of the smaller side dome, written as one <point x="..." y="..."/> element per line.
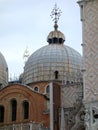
<point x="56" y="37"/>
<point x="3" y="72"/>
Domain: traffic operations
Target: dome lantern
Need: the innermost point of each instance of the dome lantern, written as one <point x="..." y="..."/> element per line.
<point x="56" y="37"/>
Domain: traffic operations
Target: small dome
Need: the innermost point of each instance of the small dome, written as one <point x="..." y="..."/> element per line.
<point x="56" y="37"/>
<point x="52" y="59"/>
<point x="3" y="71"/>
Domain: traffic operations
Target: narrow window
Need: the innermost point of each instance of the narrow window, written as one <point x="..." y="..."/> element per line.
<point x="61" y="40"/>
<point x="26" y="110"/>
<point x="55" y="40"/>
<point x="13" y="109"/>
<point x="1" y="114"/>
<point x="0" y="85"/>
<point x="50" y="41"/>
<point x="47" y="89"/>
<point x="81" y="12"/>
<point x="56" y="74"/>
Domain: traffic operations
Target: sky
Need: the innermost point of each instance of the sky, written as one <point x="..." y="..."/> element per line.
<point x="27" y="23"/>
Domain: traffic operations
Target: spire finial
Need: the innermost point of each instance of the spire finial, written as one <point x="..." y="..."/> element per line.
<point x="26" y="55"/>
<point x="55" y="14"/>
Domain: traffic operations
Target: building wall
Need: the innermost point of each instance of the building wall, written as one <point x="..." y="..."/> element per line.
<point x="89" y="17"/>
<point x="72" y="94"/>
<point x="90" y="49"/>
<point x="41" y="85"/>
<point x="37" y="104"/>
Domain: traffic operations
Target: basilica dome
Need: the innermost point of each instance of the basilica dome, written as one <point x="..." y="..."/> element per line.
<point x="3" y="71"/>
<point x="54" y="61"/>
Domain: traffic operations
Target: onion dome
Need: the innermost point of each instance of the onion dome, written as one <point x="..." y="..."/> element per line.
<point x="54" y="61"/>
<point x="3" y="71"/>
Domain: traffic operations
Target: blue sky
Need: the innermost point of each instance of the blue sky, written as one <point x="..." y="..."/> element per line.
<point x="27" y="23"/>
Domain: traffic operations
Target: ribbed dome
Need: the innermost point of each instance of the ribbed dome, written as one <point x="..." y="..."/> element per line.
<point x="3" y="71"/>
<point x="42" y="64"/>
<point x="56" y="36"/>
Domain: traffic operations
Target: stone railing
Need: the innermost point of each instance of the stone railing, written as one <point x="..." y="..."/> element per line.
<point x="24" y="126"/>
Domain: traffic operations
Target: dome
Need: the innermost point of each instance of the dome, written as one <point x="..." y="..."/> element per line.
<point x="3" y="71"/>
<point x="56" y="36"/>
<point x="54" y="61"/>
<point x="50" y="59"/>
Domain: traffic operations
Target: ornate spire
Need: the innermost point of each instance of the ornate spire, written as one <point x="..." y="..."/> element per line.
<point x="55" y="37"/>
<point x="55" y="14"/>
<point x="26" y="55"/>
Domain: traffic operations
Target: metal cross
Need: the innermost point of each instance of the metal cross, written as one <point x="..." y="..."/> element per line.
<point x="55" y="14"/>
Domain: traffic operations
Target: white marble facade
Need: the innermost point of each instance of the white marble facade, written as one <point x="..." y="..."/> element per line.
<point x="89" y="18"/>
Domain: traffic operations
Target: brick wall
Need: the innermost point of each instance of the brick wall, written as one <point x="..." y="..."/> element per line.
<point x="20" y="93"/>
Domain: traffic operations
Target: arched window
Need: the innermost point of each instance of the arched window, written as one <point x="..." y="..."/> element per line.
<point x="55" y="40"/>
<point x="61" y="40"/>
<point x="56" y="74"/>
<point x="48" y="89"/>
<point x="1" y="114"/>
<point x="25" y="110"/>
<point x="13" y="109"/>
<point x="36" y="89"/>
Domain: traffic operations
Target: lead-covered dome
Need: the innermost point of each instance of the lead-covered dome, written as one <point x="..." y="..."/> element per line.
<point x="46" y="61"/>
<point x="3" y="71"/>
<point x="55" y="61"/>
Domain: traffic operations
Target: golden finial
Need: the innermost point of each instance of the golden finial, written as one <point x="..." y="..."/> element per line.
<point x="55" y="15"/>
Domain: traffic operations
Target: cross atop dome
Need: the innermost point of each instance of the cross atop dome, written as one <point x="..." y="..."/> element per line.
<point x="55" y="15"/>
<point x="55" y="37"/>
